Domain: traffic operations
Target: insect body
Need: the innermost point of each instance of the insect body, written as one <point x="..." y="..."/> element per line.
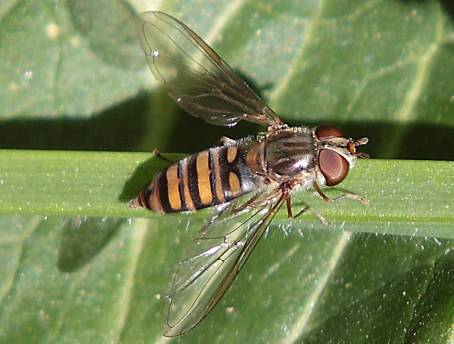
<point x="248" y="179"/>
<point x="214" y="176"/>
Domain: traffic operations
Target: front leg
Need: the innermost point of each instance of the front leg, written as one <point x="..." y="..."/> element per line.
<point x="306" y="208"/>
<point x="348" y="195"/>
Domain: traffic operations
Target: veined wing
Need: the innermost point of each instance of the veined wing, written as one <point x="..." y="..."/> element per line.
<point x="218" y="254"/>
<point x="200" y="81"/>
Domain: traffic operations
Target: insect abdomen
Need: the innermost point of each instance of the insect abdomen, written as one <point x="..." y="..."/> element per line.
<point x="213" y="176"/>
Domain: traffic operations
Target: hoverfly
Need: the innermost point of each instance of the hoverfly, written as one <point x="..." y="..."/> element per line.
<point x="246" y="181"/>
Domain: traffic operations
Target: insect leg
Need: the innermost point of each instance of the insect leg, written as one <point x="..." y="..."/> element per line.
<point x="156" y="153"/>
<point x="289" y="208"/>
<point x="245" y="204"/>
<point x="316" y="213"/>
<point x="345" y="195"/>
<point x="353" y="196"/>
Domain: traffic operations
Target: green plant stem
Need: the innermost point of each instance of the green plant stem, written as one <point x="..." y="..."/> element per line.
<point x="406" y="197"/>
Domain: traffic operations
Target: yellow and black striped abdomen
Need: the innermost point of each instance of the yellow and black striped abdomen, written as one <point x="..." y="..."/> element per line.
<point x="213" y="176"/>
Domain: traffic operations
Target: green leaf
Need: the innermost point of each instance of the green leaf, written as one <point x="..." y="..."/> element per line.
<point x="381" y="273"/>
<point x="300" y="281"/>
<point x="413" y="195"/>
<point x="64" y="60"/>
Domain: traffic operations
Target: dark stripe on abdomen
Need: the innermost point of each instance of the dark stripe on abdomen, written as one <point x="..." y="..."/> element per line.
<point x="231" y="176"/>
<point x="201" y="180"/>
<point x="160" y="191"/>
<point x="192" y="180"/>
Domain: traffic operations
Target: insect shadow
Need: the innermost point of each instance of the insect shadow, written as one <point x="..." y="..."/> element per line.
<point x="142" y="174"/>
<point x="82" y="238"/>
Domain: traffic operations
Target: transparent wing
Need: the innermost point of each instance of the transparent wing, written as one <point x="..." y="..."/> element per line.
<point x="200" y="81"/>
<point x="215" y="258"/>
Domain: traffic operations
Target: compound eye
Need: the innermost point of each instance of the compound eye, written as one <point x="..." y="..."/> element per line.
<point x="333" y="166"/>
<point x="325" y="131"/>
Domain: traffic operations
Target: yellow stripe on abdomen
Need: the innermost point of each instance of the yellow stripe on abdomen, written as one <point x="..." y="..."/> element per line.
<point x="203" y="174"/>
<point x="235" y="185"/>
<point x="173" y="191"/>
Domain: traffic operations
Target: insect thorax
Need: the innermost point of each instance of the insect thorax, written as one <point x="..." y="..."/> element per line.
<point x="286" y="155"/>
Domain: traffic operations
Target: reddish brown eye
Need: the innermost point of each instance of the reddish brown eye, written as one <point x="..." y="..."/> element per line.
<point x="325" y="131"/>
<point x="333" y="166"/>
